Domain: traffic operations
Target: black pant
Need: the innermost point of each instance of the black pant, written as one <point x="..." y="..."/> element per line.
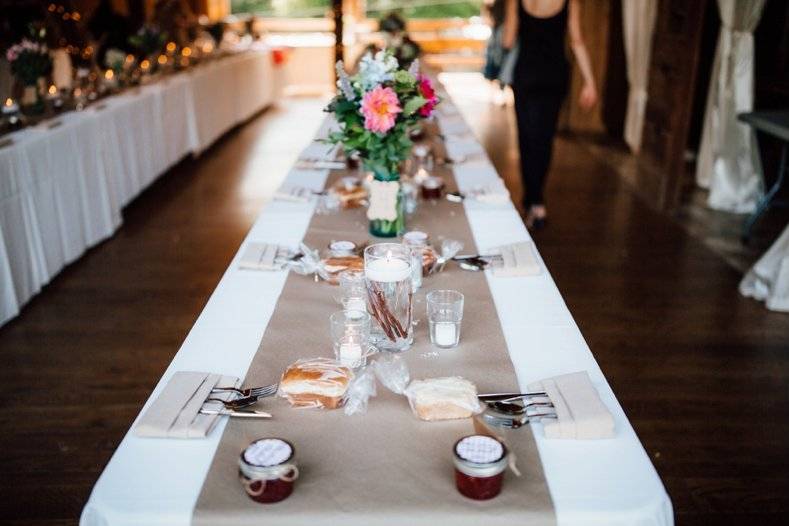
<point x="537" y="113"/>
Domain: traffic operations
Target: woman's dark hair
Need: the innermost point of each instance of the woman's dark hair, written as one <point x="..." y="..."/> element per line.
<point x="392" y="23"/>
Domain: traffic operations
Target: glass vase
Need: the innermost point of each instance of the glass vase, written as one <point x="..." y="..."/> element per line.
<point x="387" y="269"/>
<point x="387" y="205"/>
<point x="32" y="101"/>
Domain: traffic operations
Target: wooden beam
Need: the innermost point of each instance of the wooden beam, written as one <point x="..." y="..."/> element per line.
<point x="338" y="30"/>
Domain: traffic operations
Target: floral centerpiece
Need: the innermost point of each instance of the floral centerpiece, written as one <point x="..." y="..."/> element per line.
<point x="375" y="109"/>
<point x="29" y="61"/>
<point x="149" y="40"/>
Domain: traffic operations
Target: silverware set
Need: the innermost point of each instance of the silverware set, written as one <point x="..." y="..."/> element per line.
<point x="477" y="262"/>
<point x="513" y="410"/>
<point x="245" y="398"/>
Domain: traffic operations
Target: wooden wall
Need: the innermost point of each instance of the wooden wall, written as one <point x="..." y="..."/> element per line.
<point x="595" y="19"/>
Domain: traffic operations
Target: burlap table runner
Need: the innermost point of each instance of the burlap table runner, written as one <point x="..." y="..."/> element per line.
<point x="384" y="467"/>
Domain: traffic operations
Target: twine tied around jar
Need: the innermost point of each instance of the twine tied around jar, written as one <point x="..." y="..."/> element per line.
<point x="284" y="472"/>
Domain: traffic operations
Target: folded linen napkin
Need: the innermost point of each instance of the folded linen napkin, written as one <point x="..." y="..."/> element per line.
<point x="296" y="194"/>
<point x="462" y="147"/>
<point x="319" y="151"/>
<point x="492" y="194"/>
<point x="176" y="411"/>
<point x="329" y="125"/>
<point x="519" y="259"/>
<point x="453" y="125"/>
<point x="581" y="414"/>
<point x="263" y="256"/>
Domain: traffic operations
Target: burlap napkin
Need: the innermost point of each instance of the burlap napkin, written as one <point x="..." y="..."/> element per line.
<point x="581" y="414"/>
<point x="176" y="411"/>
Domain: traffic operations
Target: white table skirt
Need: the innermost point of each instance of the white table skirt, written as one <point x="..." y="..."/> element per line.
<point x="62" y="189"/>
<point x="604" y="482"/>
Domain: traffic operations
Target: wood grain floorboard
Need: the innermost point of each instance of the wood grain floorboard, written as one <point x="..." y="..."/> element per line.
<point x="701" y="372"/>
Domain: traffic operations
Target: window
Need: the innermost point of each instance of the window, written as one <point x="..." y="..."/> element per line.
<point x="282" y="8"/>
<point x="425" y="8"/>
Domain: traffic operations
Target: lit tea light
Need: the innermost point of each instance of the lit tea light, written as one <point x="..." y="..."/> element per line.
<point x="171" y="47"/>
<point x="208" y="48"/>
<point x="52" y="90"/>
<point x="109" y="74"/>
<point x="10" y="106"/>
<point x="187" y="52"/>
<point x="162" y="60"/>
<point x="145" y="65"/>
<point x="129" y="58"/>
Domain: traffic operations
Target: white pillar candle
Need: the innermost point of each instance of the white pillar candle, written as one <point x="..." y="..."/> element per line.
<point x="62" y="72"/>
<point x="445" y="334"/>
<point x="387" y="270"/>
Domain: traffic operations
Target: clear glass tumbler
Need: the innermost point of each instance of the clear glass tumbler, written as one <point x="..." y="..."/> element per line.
<point x="444" y="315"/>
<point x="353" y="290"/>
<point x="350" y="333"/>
<point x="387" y="268"/>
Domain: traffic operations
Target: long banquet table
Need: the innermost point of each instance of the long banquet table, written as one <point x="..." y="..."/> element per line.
<point x="62" y="187"/>
<point x="592" y="482"/>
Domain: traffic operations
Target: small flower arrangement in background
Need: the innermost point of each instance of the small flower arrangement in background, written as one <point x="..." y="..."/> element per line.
<point x="376" y="108"/>
<point x="29" y="60"/>
<point x="148" y="40"/>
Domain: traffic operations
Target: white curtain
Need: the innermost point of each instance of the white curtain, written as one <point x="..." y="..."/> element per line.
<point x="728" y="161"/>
<point x="768" y="279"/>
<point x="638" y="22"/>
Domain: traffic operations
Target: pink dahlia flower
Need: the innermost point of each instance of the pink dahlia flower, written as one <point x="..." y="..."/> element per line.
<point x="380" y="107"/>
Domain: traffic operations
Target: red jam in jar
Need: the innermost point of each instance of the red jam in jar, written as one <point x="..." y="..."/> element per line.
<point x="432" y="187"/>
<point x="267" y="471"/>
<point x="480" y="462"/>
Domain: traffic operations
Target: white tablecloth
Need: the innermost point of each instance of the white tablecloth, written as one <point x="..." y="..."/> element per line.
<point x="603" y="482"/>
<point x="62" y="189"/>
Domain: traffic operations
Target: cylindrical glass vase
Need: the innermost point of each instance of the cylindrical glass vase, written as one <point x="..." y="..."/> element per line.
<point x="387" y="268"/>
<point x="386" y="212"/>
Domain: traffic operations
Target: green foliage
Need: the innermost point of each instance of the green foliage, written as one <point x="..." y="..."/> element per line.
<point x="426" y="8"/>
<point x="290" y="8"/>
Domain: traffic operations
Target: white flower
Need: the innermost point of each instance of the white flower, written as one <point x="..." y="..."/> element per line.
<point x="114" y="58"/>
<point x="343" y="82"/>
<point x="376" y="70"/>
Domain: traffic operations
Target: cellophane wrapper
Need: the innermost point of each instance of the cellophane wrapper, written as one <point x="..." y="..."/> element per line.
<point x="449" y="249"/>
<point x="361" y="388"/>
<point x="392" y="371"/>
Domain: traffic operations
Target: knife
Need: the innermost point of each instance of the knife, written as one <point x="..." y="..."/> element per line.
<point x="498" y="397"/>
<point x="239" y="413"/>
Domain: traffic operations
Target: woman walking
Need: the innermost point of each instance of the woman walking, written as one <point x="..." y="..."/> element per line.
<point x="540" y="83"/>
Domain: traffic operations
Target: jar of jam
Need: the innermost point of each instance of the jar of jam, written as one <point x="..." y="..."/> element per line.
<point x="267" y="471"/>
<point x="432" y="187"/>
<point x="480" y="462"/>
<point x="342" y="248"/>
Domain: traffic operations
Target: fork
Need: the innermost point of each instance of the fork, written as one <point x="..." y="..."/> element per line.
<point x="259" y="392"/>
<point x="238" y="403"/>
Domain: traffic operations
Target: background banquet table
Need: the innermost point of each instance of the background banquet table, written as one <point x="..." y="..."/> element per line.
<point x="62" y="188"/>
<point x="598" y="482"/>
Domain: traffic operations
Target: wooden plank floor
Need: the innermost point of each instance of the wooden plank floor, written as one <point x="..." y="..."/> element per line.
<point x="702" y="373"/>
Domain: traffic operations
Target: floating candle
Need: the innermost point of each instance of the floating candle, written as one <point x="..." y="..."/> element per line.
<point x="387" y="270"/>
